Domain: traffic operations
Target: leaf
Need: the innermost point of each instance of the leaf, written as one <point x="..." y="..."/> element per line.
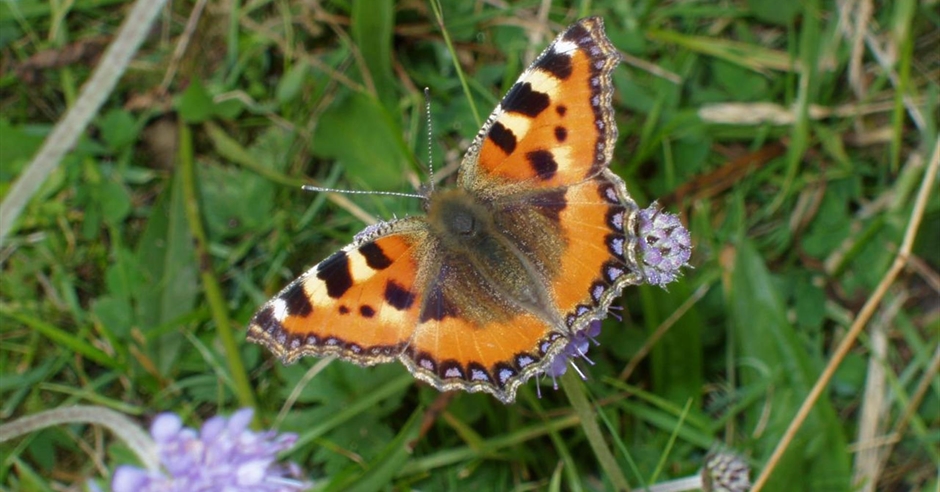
<point x="114" y="200"/>
<point x="118" y="128"/>
<point x="676" y="360"/>
<point x="229" y="109"/>
<point x="43" y="449"/>
<point x="16" y="148"/>
<point x="171" y="286"/>
<point x="123" y="278"/>
<point x="115" y="313"/>
<point x="360" y="135"/>
<point x="364" y="436"/>
<point x="739" y="83"/>
<point x="234" y="200"/>
<point x="810" y="304"/>
<point x="195" y="105"/>
<point x="762" y="334"/>
<point x="830" y="227"/>
<point x="380" y="471"/>
<point x="775" y="11"/>
<point x="70" y="341"/>
<point x="288" y="88"/>
<point x="372" y="22"/>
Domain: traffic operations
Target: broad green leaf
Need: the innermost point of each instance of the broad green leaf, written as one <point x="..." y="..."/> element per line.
<point x="830" y="227"/>
<point x="195" y="105"/>
<point x="360" y="135"/>
<point x="738" y="82"/>
<point x="118" y="128"/>
<point x="765" y="340"/>
<point x="168" y="261"/>
<point x="235" y="200"/>
<point x="288" y="88"/>
<point x="114" y="200"/>
<point x="780" y="13"/>
<point x="372" y="22"/>
<point x="115" y="313"/>
<point x="676" y="360"/>
<point x="17" y="146"/>
<point x="380" y="471"/>
<point x="43" y="451"/>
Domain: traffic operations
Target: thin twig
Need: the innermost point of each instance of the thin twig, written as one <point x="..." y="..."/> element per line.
<point x="182" y="44"/>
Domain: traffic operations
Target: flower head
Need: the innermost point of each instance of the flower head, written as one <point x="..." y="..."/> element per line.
<point x="223" y="456"/>
<point x="664" y="245"/>
<point x="725" y="472"/>
<point x="578" y="346"/>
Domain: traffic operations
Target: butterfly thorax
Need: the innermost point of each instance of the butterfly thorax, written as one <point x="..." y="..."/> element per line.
<point x="464" y="227"/>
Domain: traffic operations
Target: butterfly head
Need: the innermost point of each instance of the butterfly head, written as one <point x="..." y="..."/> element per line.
<point x="458" y="217"/>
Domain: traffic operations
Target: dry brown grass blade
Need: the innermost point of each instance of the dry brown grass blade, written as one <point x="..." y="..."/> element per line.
<point x="724" y="177"/>
<point x="900" y="261"/>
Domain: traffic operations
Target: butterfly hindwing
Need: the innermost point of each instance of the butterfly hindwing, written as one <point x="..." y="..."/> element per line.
<point x="581" y="241"/>
<point x="453" y="353"/>
<point x="599" y="223"/>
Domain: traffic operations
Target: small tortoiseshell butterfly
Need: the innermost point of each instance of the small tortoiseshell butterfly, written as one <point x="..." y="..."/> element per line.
<point x="533" y="244"/>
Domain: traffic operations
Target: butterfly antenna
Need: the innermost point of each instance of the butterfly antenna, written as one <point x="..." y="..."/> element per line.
<point x="427" y="108"/>
<point x="361" y="192"/>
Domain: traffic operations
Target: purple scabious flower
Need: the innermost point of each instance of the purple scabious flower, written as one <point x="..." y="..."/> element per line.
<point x="664" y="245"/>
<point x="578" y="346"/>
<point x="224" y="456"/>
<point x="725" y="472"/>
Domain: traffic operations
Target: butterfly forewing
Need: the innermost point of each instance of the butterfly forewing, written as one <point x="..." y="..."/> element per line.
<point x="555" y="126"/>
<point x="360" y="304"/>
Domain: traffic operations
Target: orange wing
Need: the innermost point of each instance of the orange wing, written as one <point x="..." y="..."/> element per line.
<point x="599" y="222"/>
<point x="388" y="295"/>
<point x="556" y="125"/>
<point x="360" y="304"/>
<point x="578" y="244"/>
<point x="561" y="219"/>
<point x="452" y="353"/>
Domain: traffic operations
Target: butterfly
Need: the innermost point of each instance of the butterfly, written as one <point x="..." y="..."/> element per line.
<point x="531" y="246"/>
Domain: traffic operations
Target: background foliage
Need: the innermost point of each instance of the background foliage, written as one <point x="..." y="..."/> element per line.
<point x="791" y="136"/>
